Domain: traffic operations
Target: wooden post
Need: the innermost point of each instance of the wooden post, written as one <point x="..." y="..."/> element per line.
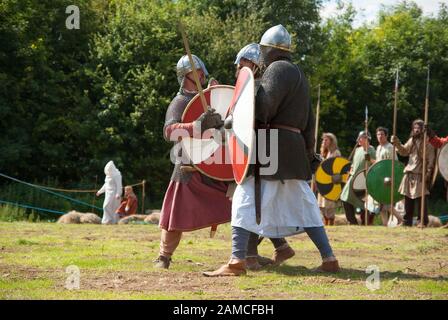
<point x="94" y="194"/>
<point x="143" y="196"/>
<point x="394" y="133"/>
<point x="195" y="73"/>
<point x="422" y="206"/>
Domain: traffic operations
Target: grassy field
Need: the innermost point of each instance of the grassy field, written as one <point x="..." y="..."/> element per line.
<point x="115" y="262"/>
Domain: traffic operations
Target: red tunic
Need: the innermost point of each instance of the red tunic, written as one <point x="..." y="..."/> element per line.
<point x="130" y="202"/>
<point x="438" y="142"/>
<point x="194" y="205"/>
<point x="191" y="203"/>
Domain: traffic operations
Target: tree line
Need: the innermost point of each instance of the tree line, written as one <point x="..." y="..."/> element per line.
<point x="71" y="100"/>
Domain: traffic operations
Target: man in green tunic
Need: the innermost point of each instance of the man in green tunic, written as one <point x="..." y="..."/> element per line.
<point x="349" y="199"/>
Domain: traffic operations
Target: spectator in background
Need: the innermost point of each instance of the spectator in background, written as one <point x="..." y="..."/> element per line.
<point x="328" y="149"/>
<point x="129" y="204"/>
<point x="113" y="189"/>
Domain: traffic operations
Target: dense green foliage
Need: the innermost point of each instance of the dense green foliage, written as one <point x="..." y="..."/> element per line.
<point x="357" y="68"/>
<point x="70" y="100"/>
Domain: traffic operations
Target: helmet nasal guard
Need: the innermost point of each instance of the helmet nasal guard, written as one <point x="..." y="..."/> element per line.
<point x="184" y="67"/>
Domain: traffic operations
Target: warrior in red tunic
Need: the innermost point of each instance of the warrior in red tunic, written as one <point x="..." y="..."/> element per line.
<point x="435" y="140"/>
<point x="193" y="201"/>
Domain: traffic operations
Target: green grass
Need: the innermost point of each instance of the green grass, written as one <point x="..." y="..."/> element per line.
<point x="115" y="262"/>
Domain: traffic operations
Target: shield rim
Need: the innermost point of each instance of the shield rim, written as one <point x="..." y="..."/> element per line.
<point x="367" y="178"/>
<point x="353" y="181"/>
<point x="204" y="91"/>
<point x="250" y="153"/>
<point x="356" y="175"/>
<point x="342" y="184"/>
<point x="440" y="151"/>
<point x="182" y="118"/>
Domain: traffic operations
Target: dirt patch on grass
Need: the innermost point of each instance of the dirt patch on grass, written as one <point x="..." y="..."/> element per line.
<point x="410" y="259"/>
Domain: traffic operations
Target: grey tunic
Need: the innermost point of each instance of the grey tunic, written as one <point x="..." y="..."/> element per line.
<point x="283" y="98"/>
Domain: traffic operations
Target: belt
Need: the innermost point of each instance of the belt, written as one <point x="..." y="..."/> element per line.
<point x="187" y="168"/>
<point x="279" y="126"/>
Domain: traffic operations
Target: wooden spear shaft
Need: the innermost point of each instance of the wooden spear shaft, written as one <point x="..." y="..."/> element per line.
<point x="394" y="133"/>
<point x="366" y="165"/>
<point x="422" y="206"/>
<point x="316" y="132"/>
<point x="195" y="73"/>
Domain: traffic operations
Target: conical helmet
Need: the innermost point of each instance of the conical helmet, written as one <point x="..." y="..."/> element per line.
<point x="277" y="37"/>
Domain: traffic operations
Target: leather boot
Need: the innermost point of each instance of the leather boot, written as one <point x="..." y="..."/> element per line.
<point x="281" y="255"/>
<point x="232" y="268"/>
<point x="252" y="263"/>
<point x="329" y="266"/>
<point x="263" y="261"/>
<point x="162" y="262"/>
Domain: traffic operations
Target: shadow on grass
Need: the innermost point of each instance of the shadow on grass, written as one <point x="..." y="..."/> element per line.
<point x="347" y="273"/>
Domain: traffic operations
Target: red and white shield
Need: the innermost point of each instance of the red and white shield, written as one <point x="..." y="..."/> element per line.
<point x="241" y="136"/>
<point x="208" y="155"/>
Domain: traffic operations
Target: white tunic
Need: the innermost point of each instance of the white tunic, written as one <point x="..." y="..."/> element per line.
<point x="113" y="189"/>
<point x="286" y="208"/>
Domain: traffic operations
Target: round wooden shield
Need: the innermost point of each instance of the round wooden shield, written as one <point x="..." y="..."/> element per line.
<point x="209" y="155"/>
<point x="331" y="176"/>
<point x="442" y="161"/>
<point x="359" y="185"/>
<point x="379" y="178"/>
<point x="241" y="134"/>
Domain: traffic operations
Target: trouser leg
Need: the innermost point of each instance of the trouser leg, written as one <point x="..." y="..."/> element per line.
<point x="240" y="240"/>
<point x="279" y="242"/>
<point x="384" y="216"/>
<point x="350" y="213"/>
<point x="168" y="242"/>
<point x="409" y="211"/>
<point x="252" y="250"/>
<point x="370" y="218"/>
<point x="320" y="240"/>
<point x="329" y="215"/>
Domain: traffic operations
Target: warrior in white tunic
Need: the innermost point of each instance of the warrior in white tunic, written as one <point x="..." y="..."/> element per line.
<point x="288" y="206"/>
<point x="250" y="57"/>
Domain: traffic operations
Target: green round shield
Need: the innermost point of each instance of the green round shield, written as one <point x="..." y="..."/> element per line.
<point x="379" y="181"/>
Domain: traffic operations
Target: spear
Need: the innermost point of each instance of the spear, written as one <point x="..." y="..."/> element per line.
<point x="422" y="207"/>
<point x="394" y="133"/>
<point x="316" y="131"/>
<point x="195" y="73"/>
<point x="366" y="165"/>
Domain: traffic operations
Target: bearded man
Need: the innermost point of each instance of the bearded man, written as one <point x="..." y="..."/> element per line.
<point x="411" y="184"/>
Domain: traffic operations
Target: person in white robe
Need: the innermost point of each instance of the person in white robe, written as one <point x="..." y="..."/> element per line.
<point x="113" y="190"/>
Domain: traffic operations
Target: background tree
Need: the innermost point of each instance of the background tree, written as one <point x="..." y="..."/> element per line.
<point x="71" y="100"/>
